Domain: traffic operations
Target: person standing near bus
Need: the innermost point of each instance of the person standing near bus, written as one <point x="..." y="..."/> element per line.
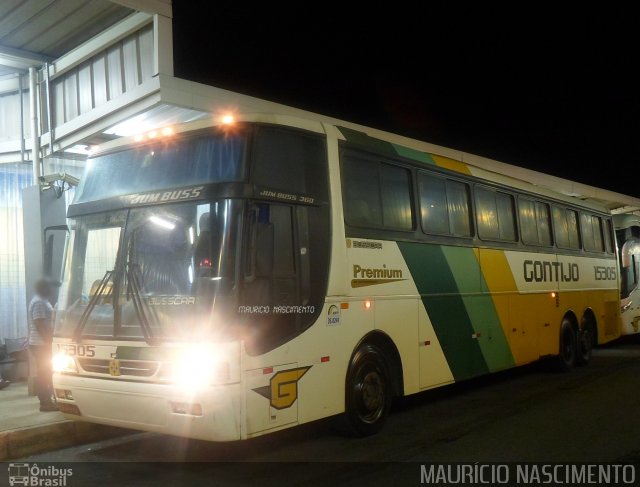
<point x="40" y="338"/>
<point x="4" y="383"/>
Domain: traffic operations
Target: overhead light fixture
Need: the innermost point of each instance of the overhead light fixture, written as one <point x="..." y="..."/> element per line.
<point x="161" y="222"/>
<point x="228" y="119"/>
<point x="81" y="149"/>
<point x="132" y="126"/>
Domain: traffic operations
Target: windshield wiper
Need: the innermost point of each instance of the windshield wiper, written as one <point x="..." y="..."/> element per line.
<point x="92" y="304"/>
<point x="139" y="304"/>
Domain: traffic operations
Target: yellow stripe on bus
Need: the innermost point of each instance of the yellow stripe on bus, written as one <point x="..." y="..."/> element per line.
<point x="502" y="286"/>
<point x="451" y="164"/>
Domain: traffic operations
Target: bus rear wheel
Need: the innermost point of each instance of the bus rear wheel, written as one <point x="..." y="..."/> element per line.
<point x="368" y="392"/>
<point x="568" y="346"/>
<point x="585" y="345"/>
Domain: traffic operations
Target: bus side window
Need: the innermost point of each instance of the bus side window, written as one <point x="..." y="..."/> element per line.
<point x="574" y="232"/>
<point x="535" y="222"/>
<point x="528" y="229"/>
<point x="561" y="227"/>
<point x="565" y="225"/>
<point x="270" y="270"/>
<point x="271" y="280"/>
<point x="597" y="233"/>
<point x="362" y="192"/>
<point x="458" y="197"/>
<point x="487" y="214"/>
<point x="592" y="232"/>
<point x="433" y="204"/>
<point x="544" y="224"/>
<point x="444" y="205"/>
<point x="608" y="236"/>
<point x="495" y="215"/>
<point x="395" y="188"/>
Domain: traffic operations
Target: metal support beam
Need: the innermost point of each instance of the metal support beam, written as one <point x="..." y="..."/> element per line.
<point x="99" y="119"/>
<point x="99" y="43"/>
<point x="20" y="59"/>
<point x="21" y="101"/>
<point x="162" y="45"/>
<point x="35" y="139"/>
<point x="9" y="84"/>
<point x="162" y="7"/>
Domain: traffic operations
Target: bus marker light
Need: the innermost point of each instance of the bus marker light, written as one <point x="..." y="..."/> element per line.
<point x="367" y="304"/>
<point x="190" y="409"/>
<point x="167" y="131"/>
<point x="553" y="295"/>
<point x="324" y="359"/>
<point x="344" y="305"/>
<point x="267" y="370"/>
<point x="227" y="119"/>
<point x="152" y="135"/>
<point x="427" y="343"/>
<point x="138" y="137"/>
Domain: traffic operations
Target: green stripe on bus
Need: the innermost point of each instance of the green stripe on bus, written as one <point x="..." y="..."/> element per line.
<point x="465" y="268"/>
<point x="363" y="140"/>
<point x="446" y="309"/>
<point x="413" y="154"/>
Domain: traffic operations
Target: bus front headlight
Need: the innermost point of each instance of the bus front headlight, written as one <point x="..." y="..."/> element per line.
<point x="197" y="366"/>
<point x="61" y="362"/>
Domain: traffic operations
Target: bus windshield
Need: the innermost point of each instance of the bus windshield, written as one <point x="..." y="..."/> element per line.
<point x="155" y="272"/>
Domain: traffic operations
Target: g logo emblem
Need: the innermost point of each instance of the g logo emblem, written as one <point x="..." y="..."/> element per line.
<point x="282" y="390"/>
<point x="114" y="367"/>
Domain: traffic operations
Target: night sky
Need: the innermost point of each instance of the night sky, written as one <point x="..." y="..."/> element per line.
<point x="552" y="91"/>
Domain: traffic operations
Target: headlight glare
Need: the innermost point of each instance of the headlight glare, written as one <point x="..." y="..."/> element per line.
<point x="61" y="362"/>
<point x="198" y="366"/>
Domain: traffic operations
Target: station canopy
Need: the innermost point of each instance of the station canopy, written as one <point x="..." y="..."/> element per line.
<point x="34" y="32"/>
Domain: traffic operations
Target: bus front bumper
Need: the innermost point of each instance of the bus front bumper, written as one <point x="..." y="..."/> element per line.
<point x="211" y="413"/>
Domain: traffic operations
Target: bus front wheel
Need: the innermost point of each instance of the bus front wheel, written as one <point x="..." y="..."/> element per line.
<point x="368" y="392"/>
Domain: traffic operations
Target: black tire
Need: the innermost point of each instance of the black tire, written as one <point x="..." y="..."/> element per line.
<point x="368" y="391"/>
<point x="584" y="345"/>
<point x="568" y="353"/>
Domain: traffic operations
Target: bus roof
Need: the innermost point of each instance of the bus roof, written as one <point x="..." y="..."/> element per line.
<point x="195" y="101"/>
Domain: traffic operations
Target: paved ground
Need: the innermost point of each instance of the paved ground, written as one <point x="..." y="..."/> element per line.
<point x="24" y="430"/>
<point x="528" y="415"/>
<point x="19" y="410"/>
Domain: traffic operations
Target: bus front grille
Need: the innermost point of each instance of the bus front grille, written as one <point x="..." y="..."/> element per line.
<point x="136" y="368"/>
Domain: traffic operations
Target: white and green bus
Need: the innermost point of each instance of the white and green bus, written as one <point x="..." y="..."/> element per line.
<point x="235" y="276"/>
<point x="628" y="240"/>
